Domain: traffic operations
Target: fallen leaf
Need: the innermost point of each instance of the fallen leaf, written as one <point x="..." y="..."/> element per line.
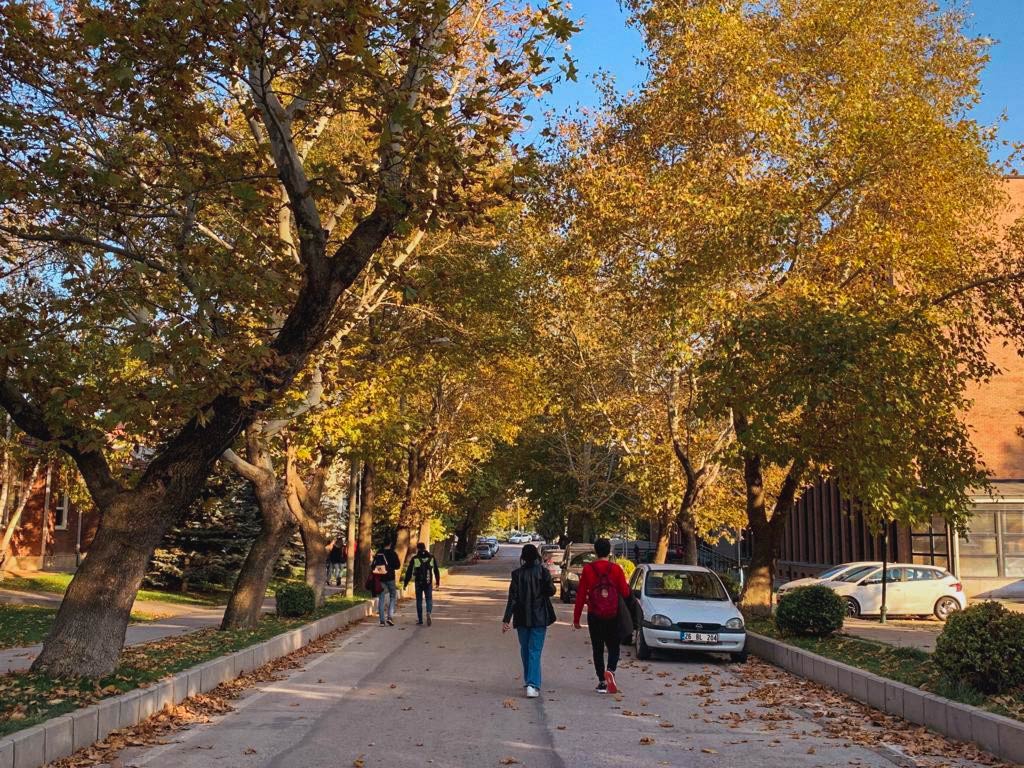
<point x="709" y="751"/>
<point x="646" y="740"/>
<point x="509" y="761"/>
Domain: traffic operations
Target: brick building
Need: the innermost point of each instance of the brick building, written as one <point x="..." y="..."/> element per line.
<point x="52" y="532"/>
<point x="826" y="528"/>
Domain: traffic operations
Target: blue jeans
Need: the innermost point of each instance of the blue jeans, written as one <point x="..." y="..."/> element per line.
<point x="531" y="643"/>
<point x="427" y="590"/>
<point x="387" y="600"/>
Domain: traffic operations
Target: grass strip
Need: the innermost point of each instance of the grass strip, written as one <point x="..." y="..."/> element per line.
<point x="57" y="583"/>
<point x="27" y="699"/>
<point x="22" y="625"/>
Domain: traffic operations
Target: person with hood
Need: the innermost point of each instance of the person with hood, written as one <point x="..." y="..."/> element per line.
<point x="530" y="612"/>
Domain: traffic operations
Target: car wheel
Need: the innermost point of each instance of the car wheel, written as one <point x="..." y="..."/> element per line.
<point x="565" y="596"/>
<point x="739" y="658"/>
<point x="643" y="650"/>
<point x="852" y="608"/>
<point x="945" y="607"/>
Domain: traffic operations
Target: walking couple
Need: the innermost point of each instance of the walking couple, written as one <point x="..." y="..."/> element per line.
<point x="382" y="581"/>
<point x="530" y="611"/>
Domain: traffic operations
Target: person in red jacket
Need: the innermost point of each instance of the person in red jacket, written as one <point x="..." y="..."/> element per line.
<point x="602" y="584"/>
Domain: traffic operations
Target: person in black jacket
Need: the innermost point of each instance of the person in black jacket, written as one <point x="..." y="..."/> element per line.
<point x="529" y="610"/>
<point x="386" y="564"/>
<point x="421" y="566"/>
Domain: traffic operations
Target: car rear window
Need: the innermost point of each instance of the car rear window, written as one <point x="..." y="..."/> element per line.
<point x="684" y="585"/>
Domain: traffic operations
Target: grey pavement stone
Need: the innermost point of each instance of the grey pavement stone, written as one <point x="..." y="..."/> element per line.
<point x="894" y="697"/>
<point x="935" y="713"/>
<point x="148" y="703"/>
<point x="128" y="714"/>
<point x="985" y="730"/>
<point x="163" y="693"/>
<point x="179" y="684"/>
<point x="876" y="691"/>
<point x="1011" y="740"/>
<point x="195" y="682"/>
<point x="844" y="680"/>
<point x="244" y="662"/>
<point x="958" y="721"/>
<point x="108" y="717"/>
<point x="913" y="705"/>
<point x="29" y="747"/>
<point x="85" y="728"/>
<point x="859" y="685"/>
<point x="6" y="753"/>
<point x="60" y="737"/>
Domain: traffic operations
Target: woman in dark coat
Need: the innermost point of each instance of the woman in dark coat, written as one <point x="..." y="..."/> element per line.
<point x="529" y="610"/>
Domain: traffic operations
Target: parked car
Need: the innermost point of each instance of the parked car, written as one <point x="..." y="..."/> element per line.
<point x="536" y="538"/>
<point x="910" y="590"/>
<point x="834" y="572"/>
<point x="551" y="556"/>
<point x="484" y="551"/>
<point x="573" y="560"/>
<point x="687" y="608"/>
<point x="519" y="538"/>
<point x="492" y="542"/>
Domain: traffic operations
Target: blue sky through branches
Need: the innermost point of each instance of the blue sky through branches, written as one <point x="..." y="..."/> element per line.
<point x="607" y="44"/>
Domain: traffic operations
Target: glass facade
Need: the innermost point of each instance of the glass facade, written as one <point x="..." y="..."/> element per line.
<point x="929" y="544"/>
<point x="994" y="545"/>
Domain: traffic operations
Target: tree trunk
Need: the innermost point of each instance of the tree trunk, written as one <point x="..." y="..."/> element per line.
<point x="367" y="500"/>
<point x="766" y="534"/>
<point x="661" y="552"/>
<point x="424" y="537"/>
<point x="246" y="603"/>
<point x="352" y="528"/>
<point x="12" y="524"/>
<point x="314" y="545"/>
<point x="403" y="536"/>
<point x="88" y="632"/>
<point x="689" y="537"/>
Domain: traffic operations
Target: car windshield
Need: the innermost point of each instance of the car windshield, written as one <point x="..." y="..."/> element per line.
<point x="856" y="574"/>
<point x="832" y="572"/>
<point x="583" y="558"/>
<point x="684" y="585"/>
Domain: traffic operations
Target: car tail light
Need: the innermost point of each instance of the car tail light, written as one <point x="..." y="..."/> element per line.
<point x="959" y="587"/>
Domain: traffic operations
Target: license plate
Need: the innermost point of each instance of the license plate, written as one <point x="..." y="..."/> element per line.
<point x="698" y="637"/>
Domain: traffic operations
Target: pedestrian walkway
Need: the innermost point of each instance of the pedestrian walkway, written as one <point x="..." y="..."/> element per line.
<point x="902" y="634"/>
<point x="450" y="696"/>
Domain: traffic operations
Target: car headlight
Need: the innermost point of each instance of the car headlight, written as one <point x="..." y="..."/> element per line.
<point x="735" y="623"/>
<point x="661" y="621"/>
<point x="572" y="576"/>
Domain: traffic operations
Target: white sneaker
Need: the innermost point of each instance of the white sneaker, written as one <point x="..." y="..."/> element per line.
<point x="531" y="692"/>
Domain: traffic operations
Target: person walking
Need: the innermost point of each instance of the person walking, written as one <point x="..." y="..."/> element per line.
<point x="335" y="561"/>
<point x="530" y="611"/>
<point x="420" y="567"/>
<point x="385" y="565"/>
<point x="602" y="583"/>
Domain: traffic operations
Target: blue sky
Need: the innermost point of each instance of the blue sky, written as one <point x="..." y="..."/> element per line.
<point x="606" y="43"/>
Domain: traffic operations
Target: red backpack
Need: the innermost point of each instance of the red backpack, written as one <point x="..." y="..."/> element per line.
<point x="603" y="598"/>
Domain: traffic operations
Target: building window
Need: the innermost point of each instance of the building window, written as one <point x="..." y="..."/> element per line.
<point x="928" y="544"/>
<point x="61" y="513"/>
<point x="979" y="550"/>
<point x="1013" y="543"/>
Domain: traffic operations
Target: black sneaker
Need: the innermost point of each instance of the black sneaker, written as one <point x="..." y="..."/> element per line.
<point x="419" y="623"/>
<point x="602" y="687"/>
<point x="428" y="620"/>
<point x="391" y="623"/>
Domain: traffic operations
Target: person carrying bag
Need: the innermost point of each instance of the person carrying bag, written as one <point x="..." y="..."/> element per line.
<point x="530" y="611"/>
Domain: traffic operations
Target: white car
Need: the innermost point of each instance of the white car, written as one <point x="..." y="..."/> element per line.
<point x="519" y="538"/>
<point x="686" y="608"/>
<point x="910" y="590"/>
<point x="832" y="573"/>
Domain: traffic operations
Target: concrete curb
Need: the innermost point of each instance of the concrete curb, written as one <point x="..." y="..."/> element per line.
<point x="1001" y="736"/>
<point x="62" y="736"/>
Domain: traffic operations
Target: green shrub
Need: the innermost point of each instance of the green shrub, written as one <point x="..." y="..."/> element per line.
<point x="294" y="599"/>
<point x="810" y="611"/>
<point x="628" y="566"/>
<point x="984" y="647"/>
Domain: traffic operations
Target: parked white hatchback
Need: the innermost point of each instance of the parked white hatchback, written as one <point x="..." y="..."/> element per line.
<point x="910" y="590"/>
<point x="685" y="608"/>
<point x="828" y="575"/>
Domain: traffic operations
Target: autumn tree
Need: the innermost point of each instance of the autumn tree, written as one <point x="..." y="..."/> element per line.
<point x="179" y="240"/>
<point x="837" y="201"/>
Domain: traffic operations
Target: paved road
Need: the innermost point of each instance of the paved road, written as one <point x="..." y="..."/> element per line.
<point x="450" y="696"/>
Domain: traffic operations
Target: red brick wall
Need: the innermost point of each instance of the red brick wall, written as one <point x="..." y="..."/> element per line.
<point x="994" y="417"/>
